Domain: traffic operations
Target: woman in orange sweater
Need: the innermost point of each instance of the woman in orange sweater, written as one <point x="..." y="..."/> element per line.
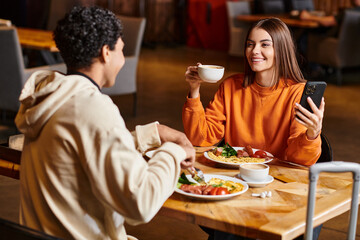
<point x="258" y="107"/>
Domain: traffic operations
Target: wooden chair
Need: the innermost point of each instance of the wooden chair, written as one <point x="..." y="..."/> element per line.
<point x="126" y="79"/>
<point x="237" y="28"/>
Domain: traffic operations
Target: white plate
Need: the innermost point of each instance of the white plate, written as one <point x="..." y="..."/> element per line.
<point x="236" y="165"/>
<point x="214" y="197"/>
<point x="269" y="179"/>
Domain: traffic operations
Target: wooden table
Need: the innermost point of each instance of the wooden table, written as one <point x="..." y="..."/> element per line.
<point x="39" y="39"/>
<point x="9" y="162"/>
<point x="36" y="39"/>
<point x="280" y="217"/>
<point x="292" y="22"/>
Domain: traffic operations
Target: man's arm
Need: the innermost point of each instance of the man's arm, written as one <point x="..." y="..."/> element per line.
<point x="171" y="135"/>
<point x="146" y="137"/>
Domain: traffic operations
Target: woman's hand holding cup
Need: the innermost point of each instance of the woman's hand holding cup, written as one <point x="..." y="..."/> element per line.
<point x="192" y="77"/>
<point x="195" y="75"/>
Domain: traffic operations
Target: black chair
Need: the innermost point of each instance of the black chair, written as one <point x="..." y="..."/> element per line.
<point x="326" y="150"/>
<point x="10" y="231"/>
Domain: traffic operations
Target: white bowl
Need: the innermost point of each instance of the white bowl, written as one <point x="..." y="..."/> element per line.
<point x="254" y="172"/>
<point x="210" y="73"/>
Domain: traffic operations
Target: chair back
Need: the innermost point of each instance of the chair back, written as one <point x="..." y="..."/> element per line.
<point x="237" y="29"/>
<point x="326" y="150"/>
<point x="10" y="230"/>
<point x="12" y="76"/>
<point x="133" y="31"/>
<point x="272" y="6"/>
<point x="349" y="38"/>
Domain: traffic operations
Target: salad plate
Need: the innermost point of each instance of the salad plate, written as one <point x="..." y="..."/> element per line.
<point x="236" y="165"/>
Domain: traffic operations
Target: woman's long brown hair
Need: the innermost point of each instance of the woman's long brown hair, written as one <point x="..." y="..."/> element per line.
<point x="286" y="64"/>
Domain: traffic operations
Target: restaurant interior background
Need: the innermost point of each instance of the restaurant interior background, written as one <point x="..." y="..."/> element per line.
<point x="172" y="41"/>
<point x="168" y="21"/>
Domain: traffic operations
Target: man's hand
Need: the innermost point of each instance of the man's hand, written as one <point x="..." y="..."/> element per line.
<point x="171" y="135"/>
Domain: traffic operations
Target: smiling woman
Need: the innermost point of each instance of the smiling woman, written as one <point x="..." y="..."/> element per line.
<point x="258" y="107"/>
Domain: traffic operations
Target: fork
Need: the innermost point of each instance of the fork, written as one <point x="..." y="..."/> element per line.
<point x="197" y="175"/>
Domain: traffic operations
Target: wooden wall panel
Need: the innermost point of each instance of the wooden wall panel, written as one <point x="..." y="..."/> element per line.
<point x="331" y="6"/>
<point x="161" y="16"/>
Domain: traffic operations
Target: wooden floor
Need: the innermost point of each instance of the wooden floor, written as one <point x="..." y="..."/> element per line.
<point x="161" y="94"/>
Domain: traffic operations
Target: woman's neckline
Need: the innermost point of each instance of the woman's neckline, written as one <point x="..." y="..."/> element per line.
<point x="267" y="90"/>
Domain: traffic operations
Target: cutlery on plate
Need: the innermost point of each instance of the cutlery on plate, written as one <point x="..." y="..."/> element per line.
<point x="197" y="175"/>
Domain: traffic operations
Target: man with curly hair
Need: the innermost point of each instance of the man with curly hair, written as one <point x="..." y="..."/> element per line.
<point x="82" y="172"/>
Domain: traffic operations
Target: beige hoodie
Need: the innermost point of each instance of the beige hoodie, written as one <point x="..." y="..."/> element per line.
<point x="82" y="172"/>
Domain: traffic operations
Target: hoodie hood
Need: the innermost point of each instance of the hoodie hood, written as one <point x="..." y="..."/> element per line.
<point x="43" y="94"/>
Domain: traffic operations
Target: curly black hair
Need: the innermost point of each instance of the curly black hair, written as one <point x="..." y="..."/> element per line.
<point x="82" y="33"/>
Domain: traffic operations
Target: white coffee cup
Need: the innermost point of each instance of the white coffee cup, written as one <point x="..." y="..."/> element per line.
<point x="254" y="172"/>
<point x="210" y="73"/>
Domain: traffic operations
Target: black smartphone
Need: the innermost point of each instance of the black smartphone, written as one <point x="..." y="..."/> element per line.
<point x="315" y="90"/>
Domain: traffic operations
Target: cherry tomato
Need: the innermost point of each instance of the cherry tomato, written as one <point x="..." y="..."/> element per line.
<point x="261" y="153"/>
<point x="256" y="156"/>
<point x="222" y="191"/>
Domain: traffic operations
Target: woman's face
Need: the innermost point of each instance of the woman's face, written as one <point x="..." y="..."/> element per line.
<point x="260" y="52"/>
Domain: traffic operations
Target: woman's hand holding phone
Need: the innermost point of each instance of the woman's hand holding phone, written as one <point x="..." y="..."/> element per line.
<point x="312" y="121"/>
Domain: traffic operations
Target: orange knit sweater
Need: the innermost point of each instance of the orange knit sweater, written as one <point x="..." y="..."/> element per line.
<point x="261" y="117"/>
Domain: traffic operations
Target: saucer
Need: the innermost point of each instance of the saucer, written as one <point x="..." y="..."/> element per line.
<point x="269" y="179"/>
